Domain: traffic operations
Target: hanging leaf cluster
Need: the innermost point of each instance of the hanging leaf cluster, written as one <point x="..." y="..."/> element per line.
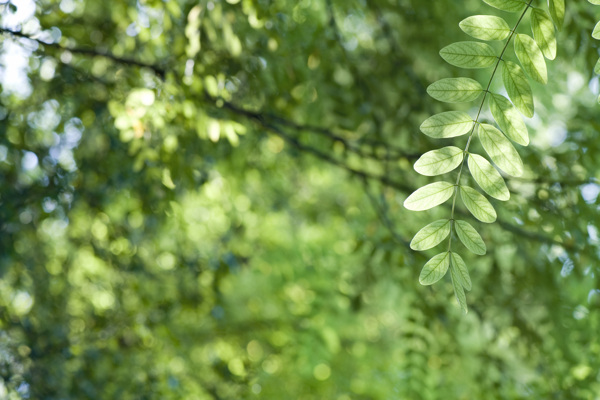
<point x="496" y="136"/>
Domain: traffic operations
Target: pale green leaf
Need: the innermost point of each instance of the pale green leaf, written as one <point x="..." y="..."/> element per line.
<point x="485" y="27"/>
<point x="518" y="88"/>
<point x="455" y="90"/>
<point x="477" y="204"/>
<point x="596" y="31"/>
<point x="487" y="177"/>
<point x="462" y="272"/>
<point x="431" y="235"/>
<point x="459" y="292"/>
<point x="543" y="32"/>
<point x="500" y="150"/>
<point x="447" y="124"/>
<point x="597" y="67"/>
<point x="429" y="196"/>
<point x="469" y="55"/>
<point x="440" y="161"/>
<point x="531" y="58"/>
<point x="557" y="11"/>
<point x="509" y="119"/>
<point x="469" y="237"/>
<point x="435" y="269"/>
<point x="596" y="2"/>
<point x="507" y="5"/>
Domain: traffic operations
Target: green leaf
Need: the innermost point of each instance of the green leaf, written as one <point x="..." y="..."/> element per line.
<point x="477" y="204"/>
<point x="435" y="269"/>
<point x="509" y="119"/>
<point x="557" y="11"/>
<point x="597" y="67"/>
<point x="437" y="162"/>
<point x="487" y="177"/>
<point x="455" y="90"/>
<point x="595" y="2"/>
<point x="485" y="27"/>
<point x="431" y="235"/>
<point x="469" y="237"/>
<point x="543" y="32"/>
<point x="459" y="292"/>
<point x="469" y="55"/>
<point x="447" y="124"/>
<point x="462" y="272"/>
<point x="429" y="196"/>
<point x="500" y="150"/>
<point x="507" y="5"/>
<point x="596" y="31"/>
<point x="531" y="58"/>
<point x="518" y="88"/>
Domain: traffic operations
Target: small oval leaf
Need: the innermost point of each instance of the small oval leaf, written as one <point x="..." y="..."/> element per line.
<point x="557" y="11"/>
<point x="429" y="196"/>
<point x="485" y="27"/>
<point x="462" y="271"/>
<point x="459" y="292"/>
<point x="455" y="90"/>
<point x="596" y="31"/>
<point x="509" y="119"/>
<point x="469" y="237"/>
<point x="447" y="124"/>
<point x="477" y="204"/>
<point x="487" y="177"/>
<point x="518" y="88"/>
<point x="435" y="269"/>
<point x="440" y="161"/>
<point x="531" y="58"/>
<point x="469" y="55"/>
<point x="431" y="235"/>
<point x="543" y="32"/>
<point x="507" y="5"/>
<point x="500" y="150"/>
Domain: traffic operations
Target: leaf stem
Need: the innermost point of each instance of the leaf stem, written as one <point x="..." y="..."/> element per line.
<point x="476" y="121"/>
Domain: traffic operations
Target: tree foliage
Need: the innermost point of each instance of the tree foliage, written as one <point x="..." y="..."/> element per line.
<point x="211" y="199"/>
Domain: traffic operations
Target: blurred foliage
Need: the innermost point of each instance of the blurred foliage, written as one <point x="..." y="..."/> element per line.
<point x="202" y="200"/>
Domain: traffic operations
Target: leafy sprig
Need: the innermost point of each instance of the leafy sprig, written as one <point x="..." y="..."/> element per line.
<point x="497" y="140"/>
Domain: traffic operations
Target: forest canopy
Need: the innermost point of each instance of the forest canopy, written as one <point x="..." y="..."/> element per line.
<point x="314" y="199"/>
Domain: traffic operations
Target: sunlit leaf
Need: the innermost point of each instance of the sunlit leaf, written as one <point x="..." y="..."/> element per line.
<point x="531" y="58"/>
<point x="435" y="269"/>
<point x="500" y="150"/>
<point x="469" y="55"/>
<point x="557" y="11"/>
<point x="485" y="27"/>
<point x="459" y="292"/>
<point x="477" y="204"/>
<point x="455" y="90"/>
<point x="507" y="5"/>
<point x="447" y="124"/>
<point x="440" y="161"/>
<point x="431" y="235"/>
<point x="487" y="177"/>
<point x="518" y="88"/>
<point x="543" y="32"/>
<point x="596" y="31"/>
<point x="429" y="196"/>
<point x="462" y="271"/>
<point x="469" y="237"/>
<point x="508" y="119"/>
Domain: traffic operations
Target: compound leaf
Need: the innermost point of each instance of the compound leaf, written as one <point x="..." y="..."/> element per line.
<point x="440" y="161"/>
<point x="429" y="196"/>
<point x="477" y="204"/>
<point x="431" y="235"/>
<point x="435" y="269"/>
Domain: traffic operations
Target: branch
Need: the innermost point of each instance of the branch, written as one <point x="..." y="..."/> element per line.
<point x="160" y="72"/>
